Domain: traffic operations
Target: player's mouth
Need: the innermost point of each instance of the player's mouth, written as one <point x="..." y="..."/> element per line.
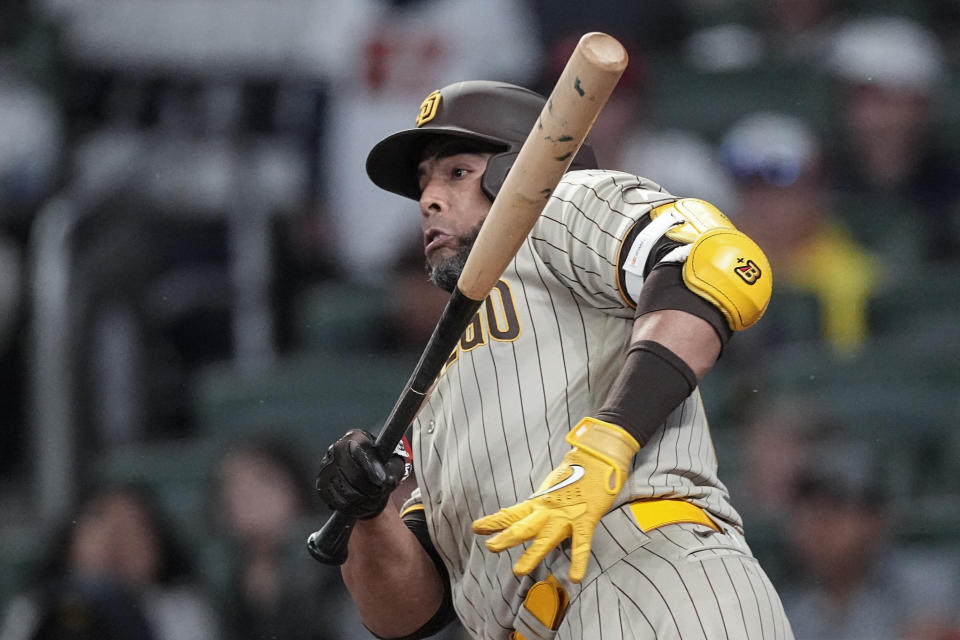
<point x="435" y="239"/>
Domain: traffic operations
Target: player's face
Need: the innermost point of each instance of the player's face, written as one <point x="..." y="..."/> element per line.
<point x="453" y="206"/>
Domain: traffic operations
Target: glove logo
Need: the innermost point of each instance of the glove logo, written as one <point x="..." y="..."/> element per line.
<point x="577" y="472"/>
<point x="749" y="272"/>
<point x="403" y="450"/>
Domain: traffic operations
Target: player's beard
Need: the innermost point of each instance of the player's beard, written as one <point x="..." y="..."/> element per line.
<point x="446" y="272"/>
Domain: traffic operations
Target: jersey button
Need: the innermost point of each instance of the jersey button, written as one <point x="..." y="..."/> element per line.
<point x="431" y="426"/>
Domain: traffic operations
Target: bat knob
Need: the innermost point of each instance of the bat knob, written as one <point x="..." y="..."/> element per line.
<point x="329" y="544"/>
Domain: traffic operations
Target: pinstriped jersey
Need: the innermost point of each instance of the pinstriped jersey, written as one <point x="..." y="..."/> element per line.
<point x="542" y="352"/>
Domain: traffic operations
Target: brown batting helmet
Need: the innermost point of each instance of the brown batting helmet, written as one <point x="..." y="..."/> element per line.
<point x="494" y="113"/>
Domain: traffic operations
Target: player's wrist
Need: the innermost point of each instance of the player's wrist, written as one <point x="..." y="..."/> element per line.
<point x="606" y="441"/>
<point x="653" y="382"/>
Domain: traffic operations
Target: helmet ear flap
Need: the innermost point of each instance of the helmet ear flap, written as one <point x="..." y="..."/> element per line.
<point x="498" y="166"/>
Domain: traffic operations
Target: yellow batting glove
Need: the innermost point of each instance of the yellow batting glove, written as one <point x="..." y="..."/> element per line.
<point x="570" y="502"/>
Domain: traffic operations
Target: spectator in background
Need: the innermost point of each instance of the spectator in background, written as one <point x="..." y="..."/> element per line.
<point x="660" y="25"/>
<point x="787" y="33"/>
<point x="119" y="551"/>
<point x="79" y="610"/>
<point x="892" y="160"/>
<point x="851" y="582"/>
<point x="776" y="437"/>
<point x="778" y="429"/>
<point x="800" y="30"/>
<point x="775" y="162"/>
<point x="268" y="584"/>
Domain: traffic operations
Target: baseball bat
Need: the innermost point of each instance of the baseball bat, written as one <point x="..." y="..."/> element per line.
<point x="584" y="85"/>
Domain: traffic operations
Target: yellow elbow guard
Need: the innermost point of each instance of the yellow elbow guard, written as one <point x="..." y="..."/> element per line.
<point x="729" y="270"/>
<point x="723" y="266"/>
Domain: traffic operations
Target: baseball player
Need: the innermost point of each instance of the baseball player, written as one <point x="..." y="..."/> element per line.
<point x="566" y="480"/>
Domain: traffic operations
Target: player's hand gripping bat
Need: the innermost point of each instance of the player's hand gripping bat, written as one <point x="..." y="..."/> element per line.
<point x="586" y="82"/>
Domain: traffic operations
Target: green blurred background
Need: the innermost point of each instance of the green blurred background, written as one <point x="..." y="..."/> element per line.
<point x="192" y="258"/>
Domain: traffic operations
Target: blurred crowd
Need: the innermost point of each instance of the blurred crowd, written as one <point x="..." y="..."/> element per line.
<point x="200" y="288"/>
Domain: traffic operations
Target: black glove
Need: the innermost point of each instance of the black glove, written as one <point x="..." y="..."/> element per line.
<point x="352" y="479"/>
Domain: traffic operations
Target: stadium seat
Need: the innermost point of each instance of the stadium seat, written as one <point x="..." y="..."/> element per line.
<point x="710" y="102"/>
<point x="337" y="316"/>
<point x="915" y="299"/>
<point x="313" y="397"/>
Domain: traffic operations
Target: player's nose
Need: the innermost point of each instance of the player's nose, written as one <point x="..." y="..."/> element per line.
<point x="431" y="199"/>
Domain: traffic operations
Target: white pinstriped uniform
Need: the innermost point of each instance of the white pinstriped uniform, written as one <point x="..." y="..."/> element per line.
<point x="542" y="353"/>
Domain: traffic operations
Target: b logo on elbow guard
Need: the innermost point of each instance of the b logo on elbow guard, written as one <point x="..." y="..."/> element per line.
<point x="749" y="272"/>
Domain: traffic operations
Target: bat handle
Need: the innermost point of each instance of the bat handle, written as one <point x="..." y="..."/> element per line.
<point x="329" y="544"/>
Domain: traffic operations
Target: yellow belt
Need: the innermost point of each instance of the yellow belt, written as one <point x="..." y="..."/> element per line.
<point x="547" y="600"/>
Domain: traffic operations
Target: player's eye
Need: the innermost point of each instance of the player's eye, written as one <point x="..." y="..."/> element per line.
<point x="458" y="172"/>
